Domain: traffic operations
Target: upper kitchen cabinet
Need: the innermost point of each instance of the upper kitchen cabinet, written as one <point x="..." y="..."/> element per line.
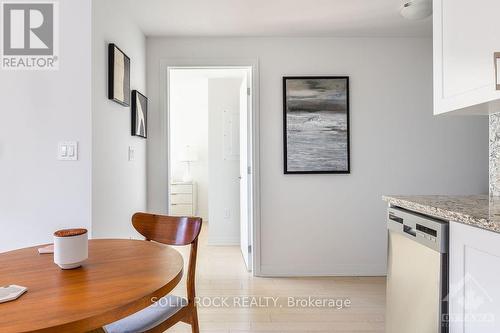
<point x="466" y="37"/>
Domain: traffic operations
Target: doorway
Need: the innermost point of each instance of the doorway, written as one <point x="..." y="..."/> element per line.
<point x="211" y="153"/>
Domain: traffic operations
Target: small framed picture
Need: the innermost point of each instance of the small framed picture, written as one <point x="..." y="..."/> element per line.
<point x="139" y="114"/>
<point x="118" y="75"/>
<point x="316" y="124"/>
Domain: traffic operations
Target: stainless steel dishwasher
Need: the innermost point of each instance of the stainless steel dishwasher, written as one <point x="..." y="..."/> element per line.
<point x="417" y="273"/>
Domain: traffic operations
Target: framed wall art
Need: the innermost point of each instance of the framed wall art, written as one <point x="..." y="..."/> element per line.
<point x="139" y="114"/>
<point x="118" y="75"/>
<point x="316" y="124"/>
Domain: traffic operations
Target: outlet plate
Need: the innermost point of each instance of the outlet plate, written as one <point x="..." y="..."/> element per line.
<point x="131" y="154"/>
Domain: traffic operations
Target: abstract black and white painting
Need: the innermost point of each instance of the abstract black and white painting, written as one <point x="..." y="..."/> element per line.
<point x="316" y="124"/>
<point x="139" y="114"/>
<point x="118" y="76"/>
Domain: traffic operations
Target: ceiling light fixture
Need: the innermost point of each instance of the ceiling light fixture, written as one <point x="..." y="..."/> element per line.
<point x="416" y="9"/>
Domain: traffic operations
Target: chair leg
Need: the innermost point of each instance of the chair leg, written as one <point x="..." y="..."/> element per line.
<point x="195" y="328"/>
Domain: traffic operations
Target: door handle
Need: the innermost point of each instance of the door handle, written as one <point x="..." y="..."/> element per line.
<point x="497" y="70"/>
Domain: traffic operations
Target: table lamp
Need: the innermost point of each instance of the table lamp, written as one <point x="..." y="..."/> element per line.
<point x="188" y="156"/>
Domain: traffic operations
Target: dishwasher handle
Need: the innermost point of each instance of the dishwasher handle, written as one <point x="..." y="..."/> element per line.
<point x="409" y="230"/>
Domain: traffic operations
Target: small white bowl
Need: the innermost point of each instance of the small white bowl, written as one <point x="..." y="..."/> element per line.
<point x="70" y="248"/>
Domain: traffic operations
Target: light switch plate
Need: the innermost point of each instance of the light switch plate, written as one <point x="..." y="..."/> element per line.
<point x="67" y="151"/>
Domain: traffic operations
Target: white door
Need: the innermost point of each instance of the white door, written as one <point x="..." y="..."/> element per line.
<point x="224" y="160"/>
<point x="245" y="197"/>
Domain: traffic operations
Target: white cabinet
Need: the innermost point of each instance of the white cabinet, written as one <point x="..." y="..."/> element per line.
<point x="474" y="296"/>
<point x="183" y="199"/>
<point x="466" y="36"/>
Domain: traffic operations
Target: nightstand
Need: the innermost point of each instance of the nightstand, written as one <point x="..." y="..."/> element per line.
<point x="183" y="199"/>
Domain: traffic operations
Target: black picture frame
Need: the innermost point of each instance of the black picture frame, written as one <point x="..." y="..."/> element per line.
<point x="118" y="85"/>
<point x="286" y="164"/>
<point x="139" y="104"/>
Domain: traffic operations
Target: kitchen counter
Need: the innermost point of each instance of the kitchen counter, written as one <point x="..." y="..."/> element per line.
<point x="475" y="210"/>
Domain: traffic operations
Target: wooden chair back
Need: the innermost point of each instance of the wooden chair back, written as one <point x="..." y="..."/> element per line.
<point x="168" y="230"/>
<point x="172" y="230"/>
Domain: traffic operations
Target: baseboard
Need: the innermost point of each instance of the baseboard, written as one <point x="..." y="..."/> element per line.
<point x="337" y="270"/>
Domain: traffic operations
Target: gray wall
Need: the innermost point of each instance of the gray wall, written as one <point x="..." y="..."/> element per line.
<point x="334" y="224"/>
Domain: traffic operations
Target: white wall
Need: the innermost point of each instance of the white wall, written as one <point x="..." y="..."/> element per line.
<point x="38" y="193"/>
<point x="334" y="224"/>
<point x="118" y="186"/>
<point x="189" y="126"/>
<point x="224" y="165"/>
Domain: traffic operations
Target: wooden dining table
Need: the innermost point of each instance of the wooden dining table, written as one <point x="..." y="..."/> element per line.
<point x="119" y="278"/>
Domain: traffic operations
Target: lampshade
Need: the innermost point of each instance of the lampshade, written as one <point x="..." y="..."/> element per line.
<point x="188" y="154"/>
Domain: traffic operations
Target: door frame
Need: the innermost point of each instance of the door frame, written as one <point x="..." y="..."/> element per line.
<point x="253" y="63"/>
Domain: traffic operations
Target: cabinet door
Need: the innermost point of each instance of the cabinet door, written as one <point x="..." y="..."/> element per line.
<point x="466" y="36"/>
<point x="474" y="296"/>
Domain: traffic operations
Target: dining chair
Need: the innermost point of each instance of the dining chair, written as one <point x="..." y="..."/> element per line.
<point x="170" y="309"/>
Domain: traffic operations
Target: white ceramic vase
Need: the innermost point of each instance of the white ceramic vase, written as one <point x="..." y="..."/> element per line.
<point x="70" y="247"/>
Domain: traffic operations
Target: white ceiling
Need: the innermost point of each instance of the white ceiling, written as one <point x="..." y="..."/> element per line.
<point x="342" y="18"/>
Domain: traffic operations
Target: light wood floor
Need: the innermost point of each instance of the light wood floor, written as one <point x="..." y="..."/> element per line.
<point x="221" y="272"/>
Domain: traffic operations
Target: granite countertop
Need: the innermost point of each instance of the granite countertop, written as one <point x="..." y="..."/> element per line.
<point x="475" y="210"/>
